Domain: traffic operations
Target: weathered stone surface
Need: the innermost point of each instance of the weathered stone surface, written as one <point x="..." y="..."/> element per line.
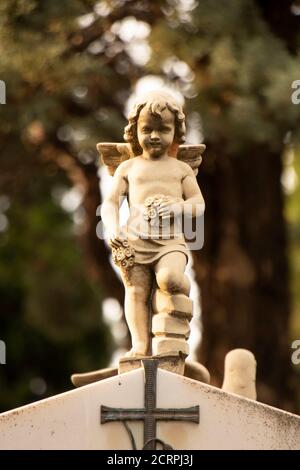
<point x="72" y="420"/>
<point x="196" y="371"/>
<point x="174" y="363"/>
<point x="89" y="377"/>
<point x="193" y="370"/>
<point x="240" y="373"/>
<point x="172" y="346"/>
<point x="151" y="249"/>
<point x="165" y="323"/>
<point x="112" y="154"/>
<point x="176" y="304"/>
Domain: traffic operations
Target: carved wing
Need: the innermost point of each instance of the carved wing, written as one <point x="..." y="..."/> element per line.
<point x="191" y="154"/>
<point x="112" y="154"/>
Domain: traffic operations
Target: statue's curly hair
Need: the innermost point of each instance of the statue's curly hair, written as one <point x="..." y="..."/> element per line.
<point x="155" y="103"/>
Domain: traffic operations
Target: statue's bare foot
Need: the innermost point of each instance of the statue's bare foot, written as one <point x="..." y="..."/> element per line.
<point x="136" y="352"/>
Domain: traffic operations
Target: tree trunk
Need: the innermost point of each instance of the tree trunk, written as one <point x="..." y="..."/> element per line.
<point x="243" y="271"/>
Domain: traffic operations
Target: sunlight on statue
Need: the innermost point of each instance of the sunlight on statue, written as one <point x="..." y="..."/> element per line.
<point x="156" y="173"/>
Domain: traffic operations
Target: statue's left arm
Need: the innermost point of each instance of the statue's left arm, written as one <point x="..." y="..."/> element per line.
<point x="193" y="204"/>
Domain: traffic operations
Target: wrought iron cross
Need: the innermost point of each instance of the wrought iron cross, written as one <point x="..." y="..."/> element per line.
<point x="150" y="414"/>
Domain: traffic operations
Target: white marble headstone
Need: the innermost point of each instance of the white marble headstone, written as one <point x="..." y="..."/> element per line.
<point x="72" y="420"/>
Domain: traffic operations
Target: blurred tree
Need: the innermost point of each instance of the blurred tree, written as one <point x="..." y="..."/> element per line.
<point x="50" y="312"/>
<point x="291" y="179"/>
<point x="242" y="91"/>
<point x="70" y="67"/>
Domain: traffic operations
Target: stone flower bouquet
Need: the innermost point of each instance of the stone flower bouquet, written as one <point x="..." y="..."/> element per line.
<point x="123" y="256"/>
<point x="152" y="205"/>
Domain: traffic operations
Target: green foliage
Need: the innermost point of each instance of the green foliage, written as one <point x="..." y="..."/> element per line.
<point x="293" y="217"/>
<point x="50" y="309"/>
<point x="50" y="312"/>
<point x="242" y="87"/>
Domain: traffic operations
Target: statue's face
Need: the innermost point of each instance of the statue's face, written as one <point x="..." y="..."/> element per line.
<point x="156" y="133"/>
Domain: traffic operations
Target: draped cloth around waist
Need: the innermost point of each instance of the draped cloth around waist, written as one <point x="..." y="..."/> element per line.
<point x="152" y="241"/>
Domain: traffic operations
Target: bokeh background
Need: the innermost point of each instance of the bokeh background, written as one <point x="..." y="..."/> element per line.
<point x="70" y="68"/>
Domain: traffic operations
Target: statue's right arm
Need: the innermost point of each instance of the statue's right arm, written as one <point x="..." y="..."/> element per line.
<point x="114" y="199"/>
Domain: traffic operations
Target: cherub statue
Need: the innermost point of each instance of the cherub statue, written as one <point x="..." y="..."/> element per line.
<point x="157" y="176"/>
<point x="156" y="173"/>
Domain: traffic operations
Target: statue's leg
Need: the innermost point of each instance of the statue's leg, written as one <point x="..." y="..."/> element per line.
<point x="138" y="286"/>
<point x="172" y="307"/>
<point x="169" y="271"/>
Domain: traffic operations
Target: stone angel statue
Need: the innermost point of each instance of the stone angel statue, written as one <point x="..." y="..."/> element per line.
<point x="156" y="172"/>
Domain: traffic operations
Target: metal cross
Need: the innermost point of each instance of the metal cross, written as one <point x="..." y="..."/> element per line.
<point x="150" y="414"/>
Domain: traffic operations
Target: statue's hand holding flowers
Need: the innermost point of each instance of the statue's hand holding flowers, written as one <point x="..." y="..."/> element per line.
<point x="163" y="207"/>
<point x="173" y="207"/>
